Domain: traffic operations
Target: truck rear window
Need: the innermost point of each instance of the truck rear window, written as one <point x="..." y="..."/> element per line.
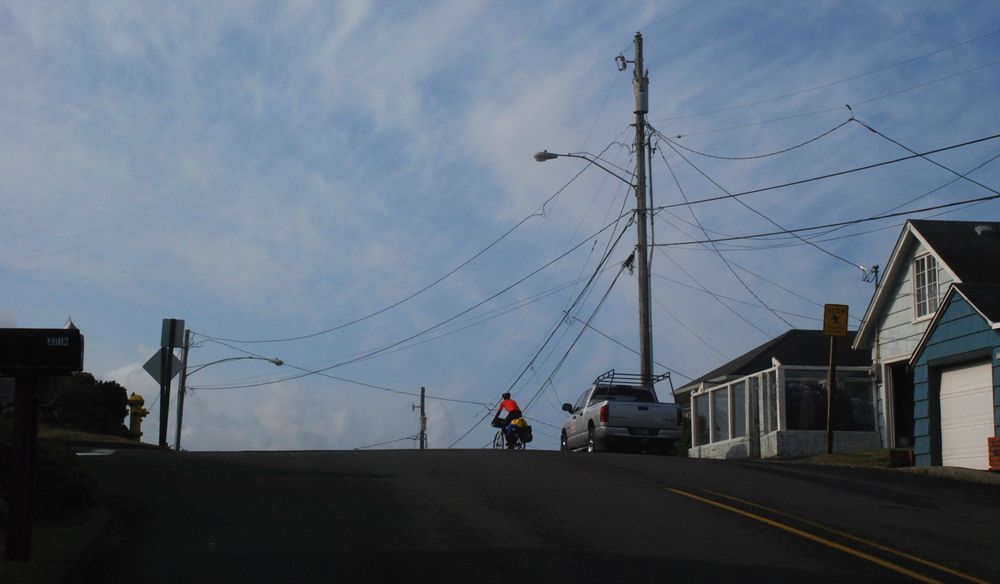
<point x="622" y="393"/>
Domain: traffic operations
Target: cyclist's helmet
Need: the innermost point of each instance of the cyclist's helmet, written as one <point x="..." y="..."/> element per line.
<point x="506" y="396"/>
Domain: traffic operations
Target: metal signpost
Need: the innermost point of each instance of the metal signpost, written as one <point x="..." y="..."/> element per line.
<point x="164" y="365"/>
<point x="834" y="325"/>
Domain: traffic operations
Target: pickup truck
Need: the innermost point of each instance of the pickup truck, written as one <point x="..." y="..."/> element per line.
<point x="618" y="412"/>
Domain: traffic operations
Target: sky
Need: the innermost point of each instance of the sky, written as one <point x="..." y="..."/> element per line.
<point x="349" y="186"/>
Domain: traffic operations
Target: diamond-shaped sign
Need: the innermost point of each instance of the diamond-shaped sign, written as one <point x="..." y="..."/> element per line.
<point x="154" y="364"/>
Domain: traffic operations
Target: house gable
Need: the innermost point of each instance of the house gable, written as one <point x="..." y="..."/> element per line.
<point x="964" y="251"/>
<point x="960" y="332"/>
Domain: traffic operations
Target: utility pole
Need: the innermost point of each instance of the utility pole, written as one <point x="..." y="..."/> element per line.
<point x="423" y="420"/>
<point x="182" y="387"/>
<point x="640" y="87"/>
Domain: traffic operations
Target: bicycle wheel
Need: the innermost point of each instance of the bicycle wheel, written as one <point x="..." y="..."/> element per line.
<point x="498" y="441"/>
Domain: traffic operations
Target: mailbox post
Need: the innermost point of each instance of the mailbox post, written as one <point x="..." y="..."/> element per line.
<point x="30" y="355"/>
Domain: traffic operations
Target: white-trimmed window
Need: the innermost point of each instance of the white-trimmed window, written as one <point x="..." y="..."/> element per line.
<point x="925" y="286"/>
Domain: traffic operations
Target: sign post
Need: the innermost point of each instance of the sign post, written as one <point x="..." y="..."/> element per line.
<point x="834" y="325"/>
<point x="172" y="336"/>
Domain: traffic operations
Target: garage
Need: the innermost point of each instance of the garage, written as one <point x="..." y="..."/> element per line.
<point x="966" y="414"/>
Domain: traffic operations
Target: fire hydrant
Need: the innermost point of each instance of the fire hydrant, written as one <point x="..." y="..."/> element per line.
<point x="135" y="403"/>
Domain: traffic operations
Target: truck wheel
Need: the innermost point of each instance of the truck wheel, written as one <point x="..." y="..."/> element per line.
<point x="593" y="444"/>
<point x="563" y="447"/>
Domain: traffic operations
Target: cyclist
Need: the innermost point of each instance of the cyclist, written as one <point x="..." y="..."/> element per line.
<point x="513" y="413"/>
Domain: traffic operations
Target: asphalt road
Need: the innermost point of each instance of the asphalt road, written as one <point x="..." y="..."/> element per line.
<point x="514" y="517"/>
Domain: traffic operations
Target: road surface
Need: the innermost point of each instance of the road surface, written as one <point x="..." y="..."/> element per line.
<point x="503" y="516"/>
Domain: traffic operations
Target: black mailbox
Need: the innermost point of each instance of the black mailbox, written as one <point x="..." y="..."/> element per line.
<point x="41" y="351"/>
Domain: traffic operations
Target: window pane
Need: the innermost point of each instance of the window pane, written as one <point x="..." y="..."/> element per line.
<point x="701" y="419"/>
<point x="720" y="414"/>
<point x="805" y="400"/>
<point x="739" y="410"/>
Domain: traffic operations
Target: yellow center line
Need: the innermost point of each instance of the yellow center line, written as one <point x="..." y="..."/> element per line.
<point x="811" y="537"/>
<point x="846" y="535"/>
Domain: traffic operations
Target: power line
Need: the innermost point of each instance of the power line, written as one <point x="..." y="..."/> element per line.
<point x="558" y="325"/>
<point x="387" y="442"/>
<point x="836" y="108"/>
<point x="540" y="213"/>
<point x="716" y="249"/>
<point x="759" y="156"/>
<point x="830" y="83"/>
<point x="626" y="347"/>
<point x="826" y="176"/>
<point x="934" y="162"/>
<point x="899" y="206"/>
<point x="436" y="326"/>
<point x="837" y="224"/>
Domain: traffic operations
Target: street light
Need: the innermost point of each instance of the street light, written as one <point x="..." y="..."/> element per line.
<point x="185" y="374"/>
<point x="545" y="155"/>
<point x="639" y="188"/>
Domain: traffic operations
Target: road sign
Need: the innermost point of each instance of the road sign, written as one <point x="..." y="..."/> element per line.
<point x="154" y="365"/>
<point x="173" y="333"/>
<point x="835" y="320"/>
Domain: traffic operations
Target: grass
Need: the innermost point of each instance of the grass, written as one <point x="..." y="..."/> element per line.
<point x="881" y="458"/>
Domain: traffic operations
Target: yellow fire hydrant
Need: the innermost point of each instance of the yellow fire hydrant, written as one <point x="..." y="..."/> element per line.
<point x="135" y="403"/>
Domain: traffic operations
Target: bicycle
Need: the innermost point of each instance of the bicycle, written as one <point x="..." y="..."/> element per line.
<point x="500" y="441"/>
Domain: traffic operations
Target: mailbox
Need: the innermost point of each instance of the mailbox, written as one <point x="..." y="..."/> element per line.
<point x="41" y="351"/>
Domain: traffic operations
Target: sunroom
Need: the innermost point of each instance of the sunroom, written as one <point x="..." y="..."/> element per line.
<point x="781" y="412"/>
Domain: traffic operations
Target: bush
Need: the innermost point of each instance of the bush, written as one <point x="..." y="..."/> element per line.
<point x="83" y="403"/>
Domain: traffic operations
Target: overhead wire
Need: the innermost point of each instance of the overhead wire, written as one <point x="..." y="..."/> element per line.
<point x="924" y="156"/>
<point x="832" y="83"/>
<point x="469" y="260"/>
<point x="822" y="236"/>
<point x="834" y="108"/>
<point x="559" y="323"/>
<point x="829" y="175"/>
<point x="838" y="223"/>
<point x="439" y="324"/>
<point x="766" y="155"/>
<point x="716" y="249"/>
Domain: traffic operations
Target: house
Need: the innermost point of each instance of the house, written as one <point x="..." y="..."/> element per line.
<point x="942" y="276"/>
<point x="956" y="373"/>
<point x="771" y="401"/>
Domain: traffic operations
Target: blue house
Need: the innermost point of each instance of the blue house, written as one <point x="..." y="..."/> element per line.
<point x="929" y="328"/>
<point x="956" y="379"/>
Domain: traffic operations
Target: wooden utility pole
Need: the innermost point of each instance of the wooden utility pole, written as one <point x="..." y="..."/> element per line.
<point x="182" y="388"/>
<point x="640" y="87"/>
<point x="423" y="420"/>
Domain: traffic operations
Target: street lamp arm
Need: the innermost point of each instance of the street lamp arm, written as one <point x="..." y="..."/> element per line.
<point x="274" y="360"/>
<point x="546" y="155"/>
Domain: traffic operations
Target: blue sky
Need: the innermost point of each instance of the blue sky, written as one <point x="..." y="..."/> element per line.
<point x="273" y="170"/>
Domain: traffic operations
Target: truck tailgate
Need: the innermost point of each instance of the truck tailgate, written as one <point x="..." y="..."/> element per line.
<point x="642" y="415"/>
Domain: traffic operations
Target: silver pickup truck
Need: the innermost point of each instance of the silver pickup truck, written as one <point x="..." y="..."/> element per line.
<point x="613" y="414"/>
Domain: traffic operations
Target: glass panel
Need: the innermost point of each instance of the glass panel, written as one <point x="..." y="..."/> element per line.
<point x="700" y="413"/>
<point x="805" y="399"/>
<point x="739" y="409"/>
<point x="753" y="402"/>
<point x="720" y="414"/>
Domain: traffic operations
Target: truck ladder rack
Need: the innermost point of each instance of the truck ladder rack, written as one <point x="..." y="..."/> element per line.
<point x="610" y="377"/>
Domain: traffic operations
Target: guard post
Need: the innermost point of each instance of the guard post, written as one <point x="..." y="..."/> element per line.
<point x="30" y="356"/>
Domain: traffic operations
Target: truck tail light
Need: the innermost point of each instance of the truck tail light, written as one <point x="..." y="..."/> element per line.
<point x="604" y="414"/>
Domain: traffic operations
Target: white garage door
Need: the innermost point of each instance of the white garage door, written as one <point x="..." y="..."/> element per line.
<point x="966" y="415"/>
